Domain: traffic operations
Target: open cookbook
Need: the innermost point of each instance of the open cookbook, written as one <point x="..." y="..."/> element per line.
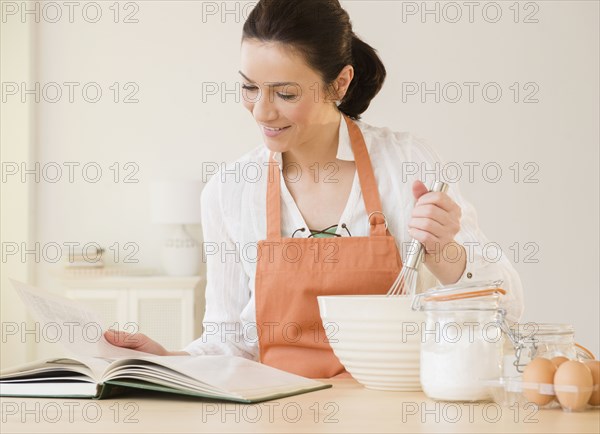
<point x="93" y="368"/>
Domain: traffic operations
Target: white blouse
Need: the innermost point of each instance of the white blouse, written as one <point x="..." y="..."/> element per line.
<point x="234" y="220"/>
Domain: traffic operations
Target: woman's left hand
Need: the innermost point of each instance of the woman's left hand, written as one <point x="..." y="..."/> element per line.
<point x="435" y="219"/>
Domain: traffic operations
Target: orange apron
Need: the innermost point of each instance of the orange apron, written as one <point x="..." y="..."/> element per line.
<point x="291" y="272"/>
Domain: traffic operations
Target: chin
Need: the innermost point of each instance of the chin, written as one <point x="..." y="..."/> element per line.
<point x="274" y="146"/>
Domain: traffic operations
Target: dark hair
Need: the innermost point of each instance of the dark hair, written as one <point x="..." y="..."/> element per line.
<point x="321" y="31"/>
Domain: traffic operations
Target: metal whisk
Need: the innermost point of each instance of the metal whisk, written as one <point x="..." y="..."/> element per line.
<point x="406" y="282"/>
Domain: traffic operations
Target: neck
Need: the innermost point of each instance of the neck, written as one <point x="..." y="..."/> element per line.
<point x="320" y="149"/>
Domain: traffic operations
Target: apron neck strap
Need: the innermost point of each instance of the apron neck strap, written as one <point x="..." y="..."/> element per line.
<point x="273" y="200"/>
<point x="366" y="177"/>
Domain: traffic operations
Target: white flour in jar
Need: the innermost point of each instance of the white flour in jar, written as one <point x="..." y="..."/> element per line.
<point x="454" y="370"/>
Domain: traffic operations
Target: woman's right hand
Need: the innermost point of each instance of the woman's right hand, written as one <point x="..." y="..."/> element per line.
<point x="138" y="342"/>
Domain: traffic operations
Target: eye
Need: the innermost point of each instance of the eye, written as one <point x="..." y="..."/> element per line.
<point x="286" y="97"/>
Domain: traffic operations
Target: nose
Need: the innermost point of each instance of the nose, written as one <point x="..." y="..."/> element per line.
<point x="263" y="109"/>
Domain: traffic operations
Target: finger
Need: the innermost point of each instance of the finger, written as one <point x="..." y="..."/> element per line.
<point x="122" y="339"/>
<point x="441" y="223"/>
<point x="114" y="337"/>
<point x="430" y="242"/>
<point x="428" y="225"/>
<point x="433" y="212"/>
<point x="438" y="199"/>
<point x="419" y="189"/>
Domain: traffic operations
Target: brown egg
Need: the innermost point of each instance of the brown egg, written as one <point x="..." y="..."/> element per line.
<point x="559" y="360"/>
<point x="594" y="366"/>
<point x="538" y="371"/>
<point x="573" y="375"/>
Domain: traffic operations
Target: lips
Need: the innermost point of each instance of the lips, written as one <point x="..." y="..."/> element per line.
<point x="269" y="132"/>
<point x="275" y="128"/>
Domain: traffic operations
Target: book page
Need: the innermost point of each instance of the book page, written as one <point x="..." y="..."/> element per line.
<point x="80" y="331"/>
<point x="234" y="376"/>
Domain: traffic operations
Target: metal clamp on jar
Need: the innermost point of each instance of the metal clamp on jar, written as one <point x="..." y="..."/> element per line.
<point x="462" y="340"/>
<point x="531" y="340"/>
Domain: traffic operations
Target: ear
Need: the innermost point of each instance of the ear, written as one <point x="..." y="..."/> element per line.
<point x="343" y="80"/>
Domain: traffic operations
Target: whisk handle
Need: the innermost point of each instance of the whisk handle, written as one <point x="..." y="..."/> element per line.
<point x="439" y="186"/>
<point x="415" y="250"/>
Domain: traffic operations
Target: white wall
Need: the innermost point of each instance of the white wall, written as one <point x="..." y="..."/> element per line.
<point x="17" y="224"/>
<point x="171" y="53"/>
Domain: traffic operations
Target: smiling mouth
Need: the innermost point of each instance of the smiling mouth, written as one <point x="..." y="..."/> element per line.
<point x="274" y="129"/>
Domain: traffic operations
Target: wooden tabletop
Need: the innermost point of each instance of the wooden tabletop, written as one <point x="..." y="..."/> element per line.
<point x="346" y="408"/>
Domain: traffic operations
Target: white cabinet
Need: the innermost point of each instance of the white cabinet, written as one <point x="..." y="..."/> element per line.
<point x="168" y="309"/>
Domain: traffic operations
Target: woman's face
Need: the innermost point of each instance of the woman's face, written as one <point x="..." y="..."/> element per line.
<point x="282" y="91"/>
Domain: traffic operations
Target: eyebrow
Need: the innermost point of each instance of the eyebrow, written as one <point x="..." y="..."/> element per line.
<point x="270" y="84"/>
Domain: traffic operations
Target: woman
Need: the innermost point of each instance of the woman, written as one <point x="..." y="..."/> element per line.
<point x="331" y="195"/>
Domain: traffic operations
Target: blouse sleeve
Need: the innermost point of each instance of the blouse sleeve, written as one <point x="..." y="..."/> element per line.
<point x="489" y="265"/>
<point x="227" y="289"/>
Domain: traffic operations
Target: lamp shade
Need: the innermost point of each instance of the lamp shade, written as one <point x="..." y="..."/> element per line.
<point x="176" y="201"/>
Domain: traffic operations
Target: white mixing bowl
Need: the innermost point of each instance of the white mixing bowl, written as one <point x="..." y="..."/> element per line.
<point x="377" y="338"/>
